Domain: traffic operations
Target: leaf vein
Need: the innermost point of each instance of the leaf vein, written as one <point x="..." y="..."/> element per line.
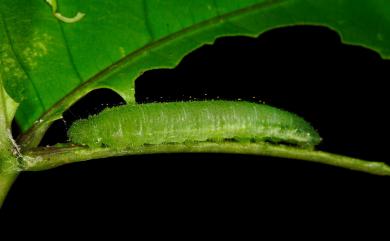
<point x="147" y="22"/>
<point x="69" y="52"/>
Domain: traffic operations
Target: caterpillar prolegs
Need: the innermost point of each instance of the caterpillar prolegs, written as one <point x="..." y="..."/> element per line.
<point x="196" y="121"/>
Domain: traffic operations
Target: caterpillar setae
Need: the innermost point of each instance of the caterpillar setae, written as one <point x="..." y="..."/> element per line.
<point x="196" y="121"/>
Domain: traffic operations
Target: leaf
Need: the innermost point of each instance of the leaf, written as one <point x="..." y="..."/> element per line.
<point x="8" y="162"/>
<point x="50" y="64"/>
<point x="7" y="111"/>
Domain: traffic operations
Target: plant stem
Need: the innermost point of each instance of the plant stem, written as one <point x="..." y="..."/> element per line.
<point x="6" y="181"/>
<point x="50" y="157"/>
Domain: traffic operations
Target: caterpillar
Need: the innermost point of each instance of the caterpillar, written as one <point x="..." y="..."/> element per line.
<point x="196" y="121"/>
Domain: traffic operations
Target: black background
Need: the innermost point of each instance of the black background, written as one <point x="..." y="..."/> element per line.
<point x="340" y="89"/>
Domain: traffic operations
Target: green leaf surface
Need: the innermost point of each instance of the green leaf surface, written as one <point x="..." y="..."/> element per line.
<point x="49" y="64"/>
<point x="7" y="111"/>
<point x="8" y="161"/>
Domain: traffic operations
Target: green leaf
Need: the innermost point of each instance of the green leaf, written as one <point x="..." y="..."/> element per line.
<point x="8" y="161"/>
<point x="7" y="111"/>
<point x="50" y="64"/>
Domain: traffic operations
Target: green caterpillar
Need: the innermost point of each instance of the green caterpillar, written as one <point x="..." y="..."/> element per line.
<point x="197" y="121"/>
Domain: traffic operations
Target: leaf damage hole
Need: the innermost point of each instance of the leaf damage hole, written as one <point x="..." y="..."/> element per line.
<point x="303" y="69"/>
